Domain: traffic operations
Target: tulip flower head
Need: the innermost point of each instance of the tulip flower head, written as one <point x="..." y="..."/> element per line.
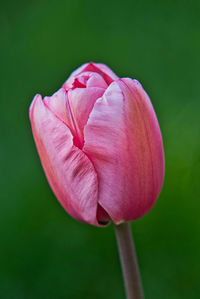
<point x="100" y="145"/>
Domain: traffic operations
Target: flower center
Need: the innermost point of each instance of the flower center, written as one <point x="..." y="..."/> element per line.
<point x="80" y="82"/>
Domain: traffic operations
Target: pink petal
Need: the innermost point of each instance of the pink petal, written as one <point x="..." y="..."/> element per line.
<point x="86" y="79"/>
<point x="69" y="171"/>
<point x="57" y="104"/>
<point x="95" y="80"/>
<point x="100" y="68"/>
<point x="104" y="68"/>
<point x="123" y="140"/>
<point x="81" y="101"/>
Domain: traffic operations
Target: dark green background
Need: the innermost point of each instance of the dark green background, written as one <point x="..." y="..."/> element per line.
<point x="44" y="253"/>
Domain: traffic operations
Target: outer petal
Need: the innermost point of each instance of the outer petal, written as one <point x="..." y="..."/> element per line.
<point x="99" y="68"/>
<point x="69" y="171"/>
<point x="124" y="142"/>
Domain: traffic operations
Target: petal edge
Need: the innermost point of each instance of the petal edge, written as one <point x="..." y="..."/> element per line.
<point x="70" y="173"/>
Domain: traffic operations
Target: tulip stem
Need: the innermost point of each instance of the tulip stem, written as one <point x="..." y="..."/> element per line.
<point x="128" y="261"/>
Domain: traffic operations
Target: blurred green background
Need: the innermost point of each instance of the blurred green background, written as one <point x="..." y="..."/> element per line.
<point x="44" y="253"/>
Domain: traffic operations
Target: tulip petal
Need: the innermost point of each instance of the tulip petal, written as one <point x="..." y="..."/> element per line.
<point x="107" y="74"/>
<point x="104" y="68"/>
<point x="69" y="171"/>
<point x="81" y="101"/>
<point x="95" y="80"/>
<point x="57" y="104"/>
<point x="123" y="140"/>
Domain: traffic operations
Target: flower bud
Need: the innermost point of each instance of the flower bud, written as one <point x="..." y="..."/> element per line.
<point x="100" y="145"/>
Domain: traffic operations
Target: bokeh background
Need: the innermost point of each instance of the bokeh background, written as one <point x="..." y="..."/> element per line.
<point x="44" y="253"/>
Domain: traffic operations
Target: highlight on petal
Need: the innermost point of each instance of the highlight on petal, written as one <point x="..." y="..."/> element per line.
<point x="123" y="140"/>
<point x="69" y="171"/>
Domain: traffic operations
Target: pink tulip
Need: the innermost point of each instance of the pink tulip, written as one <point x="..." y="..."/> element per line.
<point x="100" y="145"/>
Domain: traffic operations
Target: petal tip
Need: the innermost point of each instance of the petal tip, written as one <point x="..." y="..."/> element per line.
<point x="36" y="98"/>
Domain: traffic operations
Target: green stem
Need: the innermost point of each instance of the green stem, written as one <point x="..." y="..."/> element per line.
<point x="128" y="261"/>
